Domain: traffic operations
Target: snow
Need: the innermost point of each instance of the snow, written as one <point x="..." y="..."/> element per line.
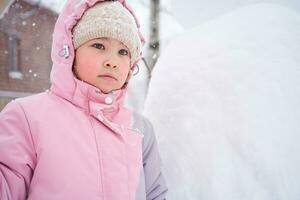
<point x="224" y="100"/>
<point x="170" y="28"/>
<point x="193" y="13"/>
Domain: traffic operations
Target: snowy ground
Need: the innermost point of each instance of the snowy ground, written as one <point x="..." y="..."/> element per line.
<point x="225" y="103"/>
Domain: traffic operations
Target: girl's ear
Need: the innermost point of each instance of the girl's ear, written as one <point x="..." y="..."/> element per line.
<point x="129" y="76"/>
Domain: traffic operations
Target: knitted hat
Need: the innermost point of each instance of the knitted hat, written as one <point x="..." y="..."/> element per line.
<point x="109" y="19"/>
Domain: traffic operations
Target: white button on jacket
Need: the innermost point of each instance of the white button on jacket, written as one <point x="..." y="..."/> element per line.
<point x="108" y="100"/>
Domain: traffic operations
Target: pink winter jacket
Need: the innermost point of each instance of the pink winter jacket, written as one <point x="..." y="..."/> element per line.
<point x="74" y="142"/>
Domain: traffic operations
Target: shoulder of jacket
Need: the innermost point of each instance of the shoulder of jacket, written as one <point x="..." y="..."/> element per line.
<point x="141" y="122"/>
<point x="29" y="104"/>
<point x="35" y="98"/>
<point x="145" y="127"/>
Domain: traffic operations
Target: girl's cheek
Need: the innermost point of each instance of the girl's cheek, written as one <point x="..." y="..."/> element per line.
<point x="87" y="68"/>
<point x="125" y="72"/>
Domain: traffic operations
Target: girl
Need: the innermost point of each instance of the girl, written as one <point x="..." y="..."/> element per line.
<point x="77" y="141"/>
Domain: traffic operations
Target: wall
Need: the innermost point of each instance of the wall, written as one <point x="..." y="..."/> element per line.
<point x="34" y="27"/>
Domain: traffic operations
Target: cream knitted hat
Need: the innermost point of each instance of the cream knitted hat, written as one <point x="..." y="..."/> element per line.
<point x="109" y="19"/>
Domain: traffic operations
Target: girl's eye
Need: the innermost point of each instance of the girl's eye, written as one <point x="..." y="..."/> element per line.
<point x="98" y="46"/>
<point x="123" y="52"/>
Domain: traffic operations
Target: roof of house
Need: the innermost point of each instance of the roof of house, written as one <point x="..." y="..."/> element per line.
<point x="4" y="5"/>
<point x="54" y="5"/>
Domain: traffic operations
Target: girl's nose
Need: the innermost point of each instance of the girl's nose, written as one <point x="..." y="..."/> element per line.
<point x="110" y="63"/>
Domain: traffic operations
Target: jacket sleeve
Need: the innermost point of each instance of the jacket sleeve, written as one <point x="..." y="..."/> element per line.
<point x="16" y="153"/>
<point x="156" y="188"/>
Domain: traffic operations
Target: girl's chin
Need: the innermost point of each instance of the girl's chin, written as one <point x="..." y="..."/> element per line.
<point x="106" y="90"/>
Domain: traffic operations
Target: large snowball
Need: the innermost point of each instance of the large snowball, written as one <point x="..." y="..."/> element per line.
<point x="225" y="103"/>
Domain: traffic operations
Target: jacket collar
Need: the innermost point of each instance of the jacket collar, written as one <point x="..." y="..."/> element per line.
<point x="94" y="102"/>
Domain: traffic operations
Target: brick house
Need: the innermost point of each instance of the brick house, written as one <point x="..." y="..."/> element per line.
<point x="25" y="48"/>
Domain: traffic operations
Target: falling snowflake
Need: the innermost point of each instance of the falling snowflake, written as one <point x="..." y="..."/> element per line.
<point x="154" y="56"/>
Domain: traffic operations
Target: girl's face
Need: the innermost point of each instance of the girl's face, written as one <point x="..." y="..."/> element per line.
<point x="103" y="63"/>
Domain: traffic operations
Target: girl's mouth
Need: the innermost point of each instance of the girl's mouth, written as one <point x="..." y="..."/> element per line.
<point x="107" y="77"/>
